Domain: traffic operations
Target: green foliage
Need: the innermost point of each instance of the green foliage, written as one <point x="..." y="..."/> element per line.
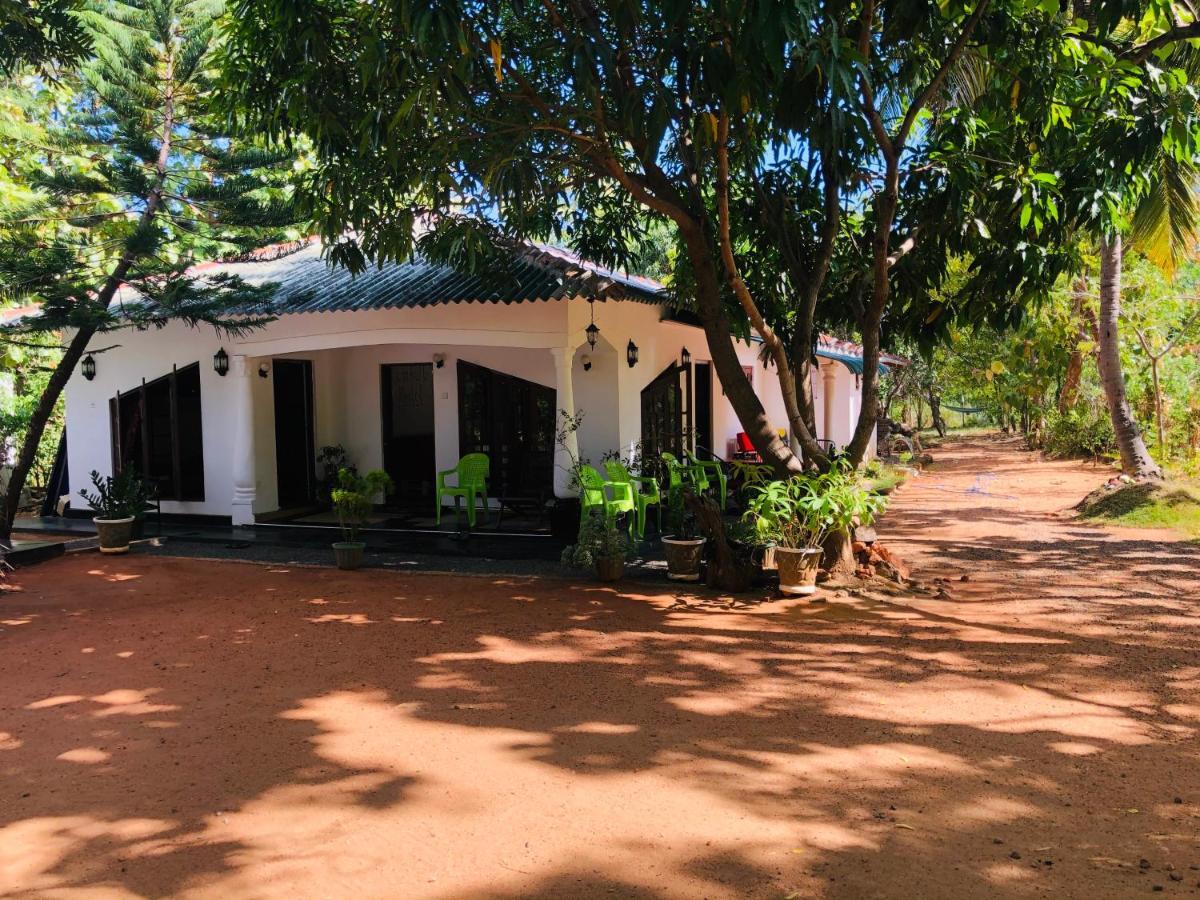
<point x="118" y="496"/>
<point x="41" y="33"/>
<point x="1083" y="431"/>
<point x="681" y="521"/>
<point x="599" y="538"/>
<point x="354" y="499"/>
<point x="803" y="511"/>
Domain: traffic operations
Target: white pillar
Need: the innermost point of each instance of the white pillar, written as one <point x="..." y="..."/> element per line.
<point x="565" y="452"/>
<point x="829" y="376"/>
<point x="244" y="485"/>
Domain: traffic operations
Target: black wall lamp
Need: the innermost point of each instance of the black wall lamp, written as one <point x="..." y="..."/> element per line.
<point x="263" y="370"/>
<point x="221" y="362"/>
<point x="592" y="330"/>
<point x="631" y="353"/>
<point x="685" y="358"/>
<point x="88" y="367"/>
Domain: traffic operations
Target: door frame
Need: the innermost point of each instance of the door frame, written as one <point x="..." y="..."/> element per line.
<point x="307" y="397"/>
<point x="385" y="421"/>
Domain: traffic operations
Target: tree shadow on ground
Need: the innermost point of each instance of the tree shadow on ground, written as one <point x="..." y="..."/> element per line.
<point x="184" y="726"/>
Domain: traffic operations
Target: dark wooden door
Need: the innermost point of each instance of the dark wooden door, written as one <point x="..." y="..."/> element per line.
<point x="704" y="411"/>
<point x="664" y="417"/>
<point x="409" y="448"/>
<point x="511" y="420"/>
<point x="294" y="442"/>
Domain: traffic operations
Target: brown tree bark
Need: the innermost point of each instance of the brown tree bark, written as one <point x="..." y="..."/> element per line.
<point x="1135" y="458"/>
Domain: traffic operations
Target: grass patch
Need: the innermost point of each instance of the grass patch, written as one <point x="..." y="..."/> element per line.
<point x="888" y="480"/>
<point x="1164" y="504"/>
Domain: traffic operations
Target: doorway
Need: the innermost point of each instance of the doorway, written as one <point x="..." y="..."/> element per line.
<point x="513" y="421"/>
<point x="409" y="446"/>
<point x="704" y="411"/>
<point x="664" y="416"/>
<point x="294" y="442"/>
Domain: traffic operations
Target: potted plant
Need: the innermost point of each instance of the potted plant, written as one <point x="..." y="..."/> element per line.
<point x="117" y="501"/>
<point x="683" y="548"/>
<point x="332" y="458"/>
<point x="601" y="546"/>
<point x="354" y="498"/>
<point x="797" y="515"/>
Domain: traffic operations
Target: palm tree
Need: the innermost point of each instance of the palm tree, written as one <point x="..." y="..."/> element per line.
<point x="1163" y="228"/>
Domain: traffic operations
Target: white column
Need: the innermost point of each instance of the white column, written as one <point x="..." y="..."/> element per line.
<point x="829" y="376"/>
<point x="244" y="486"/>
<point x="566" y="452"/>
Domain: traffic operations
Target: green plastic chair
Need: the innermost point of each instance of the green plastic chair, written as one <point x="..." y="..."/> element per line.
<point x="471" y="477"/>
<point x="705" y="466"/>
<point x="594" y="494"/>
<point x="680" y="473"/>
<point x="645" y="493"/>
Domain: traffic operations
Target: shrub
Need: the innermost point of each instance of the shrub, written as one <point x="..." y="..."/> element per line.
<point x="119" y="496"/>
<point x="354" y="499"/>
<point x="803" y="511"/>
<point x="1080" y="432"/>
<point x="599" y="538"/>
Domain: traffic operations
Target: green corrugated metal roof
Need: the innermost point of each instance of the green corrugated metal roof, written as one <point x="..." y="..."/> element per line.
<point x="307" y="283"/>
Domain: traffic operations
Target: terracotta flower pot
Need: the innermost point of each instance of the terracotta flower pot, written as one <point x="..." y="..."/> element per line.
<point x="798" y="569"/>
<point x="349" y="554"/>
<point x="610" y="568"/>
<point x="683" y="558"/>
<point x="114" y="534"/>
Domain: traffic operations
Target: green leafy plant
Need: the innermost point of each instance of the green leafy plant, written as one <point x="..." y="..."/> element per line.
<point x="681" y="522"/>
<point x="803" y="511"/>
<point x="1080" y="432"/>
<point x="332" y="459"/>
<point x="117" y="496"/>
<point x="354" y="499"/>
<point x="599" y="538"/>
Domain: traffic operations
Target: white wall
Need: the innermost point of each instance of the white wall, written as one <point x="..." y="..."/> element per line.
<point x="347" y="350"/>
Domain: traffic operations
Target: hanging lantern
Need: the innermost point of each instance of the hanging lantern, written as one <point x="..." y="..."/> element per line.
<point x="592" y="331"/>
<point x="88" y="367"/>
<point x="221" y="362"/>
<point x="685" y="358"/>
<point x="631" y="353"/>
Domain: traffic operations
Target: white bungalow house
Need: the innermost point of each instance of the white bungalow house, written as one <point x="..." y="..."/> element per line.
<point x="409" y="367"/>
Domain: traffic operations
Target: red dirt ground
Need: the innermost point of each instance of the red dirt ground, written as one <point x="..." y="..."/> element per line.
<point x="177" y="727"/>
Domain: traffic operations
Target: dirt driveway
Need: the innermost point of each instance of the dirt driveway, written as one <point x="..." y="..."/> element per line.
<point x="176" y="727"/>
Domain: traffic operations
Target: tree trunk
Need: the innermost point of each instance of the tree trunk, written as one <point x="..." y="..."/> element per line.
<point x="774" y="451"/>
<point x="1074" y="374"/>
<point x="1158" y="411"/>
<point x="37" y="427"/>
<point x="1135" y="458"/>
<point x="837" y="557"/>
<point x="935" y="410"/>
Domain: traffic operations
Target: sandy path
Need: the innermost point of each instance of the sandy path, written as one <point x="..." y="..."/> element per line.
<point x="176" y="727"/>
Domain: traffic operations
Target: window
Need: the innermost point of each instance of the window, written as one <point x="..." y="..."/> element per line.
<point x="156" y="431"/>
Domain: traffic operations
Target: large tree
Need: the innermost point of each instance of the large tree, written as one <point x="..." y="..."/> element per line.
<point x="125" y="177"/>
<point x="719" y="119"/>
<point x="760" y="132"/>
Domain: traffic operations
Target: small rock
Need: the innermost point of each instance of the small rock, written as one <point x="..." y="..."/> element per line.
<point x="1014" y="855"/>
<point x="1175" y="876"/>
<point x="1157" y="888"/>
<point x="964" y="577"/>
<point x="1178" y="799"/>
<point x="1143" y="863"/>
<point x="997" y="841"/>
